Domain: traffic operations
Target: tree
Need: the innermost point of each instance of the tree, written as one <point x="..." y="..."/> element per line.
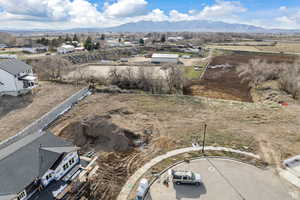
<point x="97" y="45"/>
<point x="68" y="39"/>
<point x="142" y="42"/>
<point x="75" y="38"/>
<point x="88" y="45"/>
<point x="102" y="37"/>
<point x="163" y="38"/>
<point x="175" y="79"/>
<point x="51" y="67"/>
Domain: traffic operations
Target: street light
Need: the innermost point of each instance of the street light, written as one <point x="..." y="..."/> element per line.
<point x="204" y="134"/>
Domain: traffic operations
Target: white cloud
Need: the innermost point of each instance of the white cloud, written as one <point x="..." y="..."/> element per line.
<point x="283" y="8"/>
<point x="222" y="9"/>
<point x="63" y="14"/>
<point x="126" y="8"/>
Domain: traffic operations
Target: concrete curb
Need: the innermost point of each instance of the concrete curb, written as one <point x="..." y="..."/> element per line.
<point x="127" y="188"/>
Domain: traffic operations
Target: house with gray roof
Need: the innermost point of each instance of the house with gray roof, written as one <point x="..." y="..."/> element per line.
<point x="16" y="77"/>
<point x="37" y="166"/>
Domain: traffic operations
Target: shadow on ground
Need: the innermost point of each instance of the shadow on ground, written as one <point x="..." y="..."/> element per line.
<point x="11" y="103"/>
<point x="189" y="191"/>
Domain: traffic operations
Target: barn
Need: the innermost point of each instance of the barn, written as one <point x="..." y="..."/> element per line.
<point x="165" y="58"/>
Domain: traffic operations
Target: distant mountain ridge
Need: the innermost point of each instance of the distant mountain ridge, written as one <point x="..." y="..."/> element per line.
<point x="191" y="26"/>
<point x="180" y="26"/>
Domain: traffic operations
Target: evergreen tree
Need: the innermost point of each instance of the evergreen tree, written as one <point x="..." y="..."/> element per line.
<point x="142" y="42"/>
<point x="97" y="46"/>
<point x="75" y="38"/>
<point x="102" y="37"/>
<point x="163" y="38"/>
<point x="68" y="39"/>
<point x="88" y="45"/>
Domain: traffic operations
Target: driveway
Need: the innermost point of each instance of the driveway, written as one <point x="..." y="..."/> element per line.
<point x="224" y="180"/>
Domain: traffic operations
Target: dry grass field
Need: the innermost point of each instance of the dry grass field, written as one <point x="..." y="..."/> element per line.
<point x="18" y="112"/>
<point x="278" y="48"/>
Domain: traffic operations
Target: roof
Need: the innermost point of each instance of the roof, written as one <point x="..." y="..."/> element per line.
<point x="27" y="159"/>
<point x="156" y="55"/>
<point x="14" y="66"/>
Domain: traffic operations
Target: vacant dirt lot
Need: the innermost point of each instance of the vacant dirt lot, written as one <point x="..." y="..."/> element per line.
<point x="220" y="83"/>
<point x="172" y="122"/>
<point x="19" y="112"/>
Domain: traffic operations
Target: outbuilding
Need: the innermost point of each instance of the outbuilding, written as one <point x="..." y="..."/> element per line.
<point x="165" y="58"/>
<point x="66" y="48"/>
<point x="16" y="77"/>
<point x="36" y="48"/>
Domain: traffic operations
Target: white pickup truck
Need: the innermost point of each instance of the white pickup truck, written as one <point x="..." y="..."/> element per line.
<point x="185" y="177"/>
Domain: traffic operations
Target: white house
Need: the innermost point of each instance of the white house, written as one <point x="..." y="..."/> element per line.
<point x="165" y="58"/>
<point x="2" y="46"/>
<point x="16" y="77"/>
<point x="37" y="166"/>
<point x="66" y="48"/>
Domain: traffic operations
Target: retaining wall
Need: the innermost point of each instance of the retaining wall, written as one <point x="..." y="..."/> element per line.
<point x="47" y="118"/>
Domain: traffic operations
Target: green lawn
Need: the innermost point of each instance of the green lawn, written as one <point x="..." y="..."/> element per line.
<point x="191" y="73"/>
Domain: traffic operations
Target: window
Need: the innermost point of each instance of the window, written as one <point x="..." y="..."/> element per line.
<point x="49" y="176"/>
<point x="66" y="166"/>
<point x="72" y="161"/>
<point x="22" y="195"/>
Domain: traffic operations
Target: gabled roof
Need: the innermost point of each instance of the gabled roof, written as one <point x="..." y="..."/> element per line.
<point x="157" y="55"/>
<point x="26" y="159"/>
<point x="14" y="66"/>
<point x="49" y="155"/>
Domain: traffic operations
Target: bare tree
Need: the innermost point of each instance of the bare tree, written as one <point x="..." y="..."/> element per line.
<point x="175" y="79"/>
<point x="258" y="71"/>
<point x="51" y="68"/>
<point x="290" y="79"/>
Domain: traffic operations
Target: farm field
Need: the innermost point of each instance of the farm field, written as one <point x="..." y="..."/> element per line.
<point x="221" y="80"/>
<point x="18" y="112"/>
<point x="293" y="48"/>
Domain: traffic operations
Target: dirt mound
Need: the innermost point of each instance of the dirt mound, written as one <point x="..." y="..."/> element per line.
<point x="99" y="133"/>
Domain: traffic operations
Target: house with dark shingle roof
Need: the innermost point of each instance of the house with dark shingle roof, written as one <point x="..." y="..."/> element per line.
<point x="35" y="163"/>
<point x="16" y="77"/>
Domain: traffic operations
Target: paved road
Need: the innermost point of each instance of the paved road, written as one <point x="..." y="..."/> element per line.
<point x="226" y="180"/>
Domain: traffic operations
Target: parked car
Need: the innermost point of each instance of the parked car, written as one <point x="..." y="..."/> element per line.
<point x="142" y="189"/>
<point x="185" y="177"/>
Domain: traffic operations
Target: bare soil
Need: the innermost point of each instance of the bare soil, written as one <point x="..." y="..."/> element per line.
<point x="176" y="121"/>
<point x="18" y="112"/>
<point x="220" y="83"/>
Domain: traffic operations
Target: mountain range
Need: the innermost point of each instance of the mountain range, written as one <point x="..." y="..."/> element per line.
<point x="189" y="26"/>
<point x="181" y="26"/>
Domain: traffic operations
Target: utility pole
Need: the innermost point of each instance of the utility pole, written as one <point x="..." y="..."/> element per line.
<point x="204" y="134"/>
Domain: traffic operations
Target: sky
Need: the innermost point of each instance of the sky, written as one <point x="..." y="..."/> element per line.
<point x="66" y="14"/>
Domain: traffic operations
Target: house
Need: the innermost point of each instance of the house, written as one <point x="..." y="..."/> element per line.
<point x="165" y="58"/>
<point x="38" y="166"/>
<point x="3" y="46"/>
<point x="16" y="77"/>
<point x="36" y="48"/>
<point x="8" y="56"/>
<point x="65" y="48"/>
<point x="174" y="39"/>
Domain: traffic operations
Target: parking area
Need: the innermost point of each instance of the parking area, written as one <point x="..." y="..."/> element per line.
<point x="224" y="179"/>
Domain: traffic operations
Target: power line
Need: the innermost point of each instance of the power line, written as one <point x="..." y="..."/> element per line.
<point x="227" y="180"/>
